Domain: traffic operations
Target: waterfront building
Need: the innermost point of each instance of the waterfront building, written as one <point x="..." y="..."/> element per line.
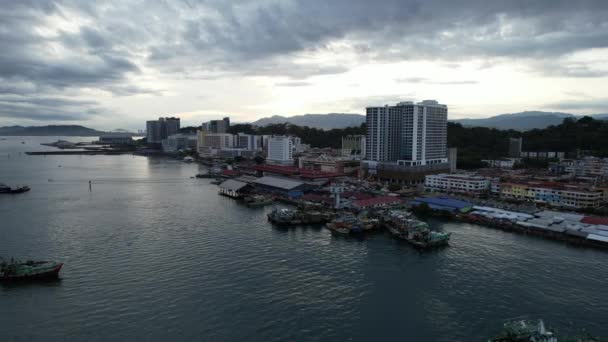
<point x="286" y="187"/>
<point x="353" y="146"/>
<point x="552" y="194"/>
<point x="515" y="145"/>
<point x="179" y="142"/>
<point x="406" y="142"/>
<point x="116" y="139"/>
<point x="411" y="134"/>
<point x="280" y="150"/>
<point x="217" y="126"/>
<point x="157" y="130"/>
<point x="468" y="183"/>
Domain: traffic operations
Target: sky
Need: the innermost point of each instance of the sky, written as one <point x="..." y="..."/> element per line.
<point x="116" y="64"/>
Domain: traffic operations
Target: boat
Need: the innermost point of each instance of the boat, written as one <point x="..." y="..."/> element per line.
<point x="283" y="217"/>
<point x="403" y="226"/>
<point x="206" y="175"/>
<point x="188" y="159"/>
<point x="257" y="201"/>
<point x="525" y="330"/>
<point x="29" y="270"/>
<point x="5" y="189"/>
<point x="216" y="181"/>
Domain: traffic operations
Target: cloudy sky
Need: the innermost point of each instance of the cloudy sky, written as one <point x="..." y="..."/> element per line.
<point x="114" y="64"/>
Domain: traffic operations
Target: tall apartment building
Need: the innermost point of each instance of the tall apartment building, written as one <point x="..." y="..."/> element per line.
<point x="353" y="146"/>
<point x="217" y="126"/>
<point x="280" y="150"/>
<point x="157" y="130"/>
<point x="410" y="134"/>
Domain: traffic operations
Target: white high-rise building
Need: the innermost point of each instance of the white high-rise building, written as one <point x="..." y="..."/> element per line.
<point x="280" y="150"/>
<point x="411" y="134"/>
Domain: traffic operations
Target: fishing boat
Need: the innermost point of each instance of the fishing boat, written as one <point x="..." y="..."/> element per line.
<point x="403" y="226"/>
<point x="257" y="201"/>
<point x="29" y="270"/>
<point x="283" y="217"/>
<point x="5" y="189"/>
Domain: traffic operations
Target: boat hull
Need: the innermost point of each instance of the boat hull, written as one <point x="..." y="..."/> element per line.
<point x="54" y="273"/>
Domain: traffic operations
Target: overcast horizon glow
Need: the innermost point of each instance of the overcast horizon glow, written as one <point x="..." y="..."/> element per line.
<point x="117" y="64"/>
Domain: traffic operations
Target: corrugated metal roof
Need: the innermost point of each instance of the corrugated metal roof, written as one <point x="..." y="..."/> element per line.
<point x="595" y="220"/>
<point x="597" y="237"/>
<point x="233" y="185"/>
<point x="443" y="201"/>
<point x="282" y="183"/>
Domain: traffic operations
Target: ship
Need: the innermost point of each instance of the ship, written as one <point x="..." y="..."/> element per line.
<point x="5" y="189"/>
<point x="403" y="226"/>
<point x="287" y="217"/>
<point x="29" y="270"/>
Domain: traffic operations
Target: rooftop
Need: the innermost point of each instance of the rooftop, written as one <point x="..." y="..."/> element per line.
<point x="282" y="183"/>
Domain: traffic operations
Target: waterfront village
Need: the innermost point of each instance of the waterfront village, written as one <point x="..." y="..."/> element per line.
<point x="395" y="176"/>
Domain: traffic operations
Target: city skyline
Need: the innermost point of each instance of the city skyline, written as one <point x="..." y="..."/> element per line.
<point x="118" y="65"/>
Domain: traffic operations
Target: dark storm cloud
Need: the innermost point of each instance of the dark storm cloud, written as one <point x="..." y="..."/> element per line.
<point x="69" y="46"/>
<point x="395" y="29"/>
<point x="47" y="109"/>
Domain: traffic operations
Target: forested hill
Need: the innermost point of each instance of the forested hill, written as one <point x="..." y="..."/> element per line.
<point x="473" y="143"/>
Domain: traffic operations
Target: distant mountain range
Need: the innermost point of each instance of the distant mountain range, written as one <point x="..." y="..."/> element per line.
<point x="518" y="121"/>
<point x="53" y="130"/>
<point x="324" y="121"/>
<point x="524" y="121"/>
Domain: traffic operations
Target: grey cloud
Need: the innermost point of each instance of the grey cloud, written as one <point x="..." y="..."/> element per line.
<point x="428" y="81"/>
<point x="48" y="109"/>
<point x="600" y="105"/>
<point x="293" y="84"/>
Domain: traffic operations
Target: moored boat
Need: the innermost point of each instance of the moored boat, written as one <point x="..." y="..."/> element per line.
<point x="29" y="270"/>
<point x="5" y="189"/>
<point x="258" y="201"/>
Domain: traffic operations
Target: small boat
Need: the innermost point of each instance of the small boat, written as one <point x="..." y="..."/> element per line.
<point x="29" y="270"/>
<point x="5" y="189"/>
<point x="258" y="201"/>
<point x="188" y="159"/>
<point x="216" y="181"/>
<point x="525" y="330"/>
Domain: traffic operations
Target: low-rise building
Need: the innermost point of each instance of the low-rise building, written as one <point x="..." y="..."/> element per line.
<point x="551" y="193"/>
<point x="463" y="183"/>
<point x="504" y="163"/>
<point x="328" y="163"/>
<point x="116" y="139"/>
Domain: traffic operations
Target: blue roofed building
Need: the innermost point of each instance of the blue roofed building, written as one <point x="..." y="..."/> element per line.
<point x="443" y="203"/>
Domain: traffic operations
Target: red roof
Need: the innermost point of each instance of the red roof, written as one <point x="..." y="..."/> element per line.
<point x="595" y="220"/>
<point x="230" y="173"/>
<point x="376" y="201"/>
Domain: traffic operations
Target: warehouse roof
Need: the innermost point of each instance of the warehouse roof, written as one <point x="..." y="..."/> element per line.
<point x="276" y="182"/>
<point x="233" y="185"/>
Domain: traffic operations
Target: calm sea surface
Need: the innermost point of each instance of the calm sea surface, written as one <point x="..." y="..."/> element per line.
<point x="155" y="255"/>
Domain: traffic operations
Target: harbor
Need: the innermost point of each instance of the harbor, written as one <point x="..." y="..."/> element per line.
<point x="145" y="211"/>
